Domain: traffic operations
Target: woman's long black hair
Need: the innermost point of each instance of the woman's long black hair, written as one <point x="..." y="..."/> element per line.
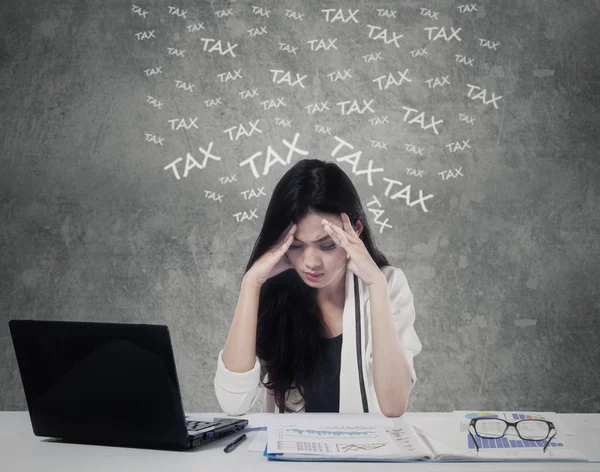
<point x="290" y="323"/>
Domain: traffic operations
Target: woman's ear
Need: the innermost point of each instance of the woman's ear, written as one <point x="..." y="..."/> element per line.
<point x="358" y="227"/>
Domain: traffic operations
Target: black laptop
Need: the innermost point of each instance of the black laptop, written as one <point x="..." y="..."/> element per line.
<point x="107" y="383"/>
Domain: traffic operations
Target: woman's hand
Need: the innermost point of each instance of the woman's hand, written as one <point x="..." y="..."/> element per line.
<point x="359" y="261"/>
<point x="273" y="261"/>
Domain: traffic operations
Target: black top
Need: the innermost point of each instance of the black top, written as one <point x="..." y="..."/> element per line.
<point x="327" y="398"/>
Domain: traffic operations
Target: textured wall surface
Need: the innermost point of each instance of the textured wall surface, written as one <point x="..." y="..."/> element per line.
<point x="139" y="145"/>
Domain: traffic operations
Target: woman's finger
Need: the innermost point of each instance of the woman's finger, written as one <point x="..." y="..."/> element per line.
<point x="286" y="231"/>
<point x="348" y="225"/>
<point x="338" y="233"/>
<point x="334" y="226"/>
<point x="288" y="241"/>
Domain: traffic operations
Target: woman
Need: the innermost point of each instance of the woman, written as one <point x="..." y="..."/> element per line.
<point x="341" y="341"/>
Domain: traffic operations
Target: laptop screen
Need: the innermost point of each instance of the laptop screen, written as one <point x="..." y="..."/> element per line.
<point x="100" y="382"/>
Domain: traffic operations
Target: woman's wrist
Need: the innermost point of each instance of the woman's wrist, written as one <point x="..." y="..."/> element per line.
<point x="250" y="280"/>
<point x="378" y="281"/>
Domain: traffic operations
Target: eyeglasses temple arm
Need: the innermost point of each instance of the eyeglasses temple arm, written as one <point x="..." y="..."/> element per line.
<point x="551" y="438"/>
<point x="473" y="437"/>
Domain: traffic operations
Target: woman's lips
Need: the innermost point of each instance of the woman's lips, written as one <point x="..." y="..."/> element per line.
<point x="312" y="277"/>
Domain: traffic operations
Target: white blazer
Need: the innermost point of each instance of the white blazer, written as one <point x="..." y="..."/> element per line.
<point x="238" y="391"/>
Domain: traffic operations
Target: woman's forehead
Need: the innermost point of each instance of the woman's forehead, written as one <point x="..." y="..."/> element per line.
<point x="311" y="229"/>
<point x="314" y="219"/>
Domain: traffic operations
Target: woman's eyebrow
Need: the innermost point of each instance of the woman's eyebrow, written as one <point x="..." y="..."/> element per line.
<point x="324" y="238"/>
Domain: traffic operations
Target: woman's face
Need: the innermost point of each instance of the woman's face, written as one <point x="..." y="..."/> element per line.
<point x="308" y="254"/>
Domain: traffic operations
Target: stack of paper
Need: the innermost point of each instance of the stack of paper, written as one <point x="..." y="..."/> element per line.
<point x="427" y="439"/>
<point x="345" y="443"/>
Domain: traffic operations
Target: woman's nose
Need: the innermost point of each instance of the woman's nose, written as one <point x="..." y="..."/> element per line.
<point x="312" y="264"/>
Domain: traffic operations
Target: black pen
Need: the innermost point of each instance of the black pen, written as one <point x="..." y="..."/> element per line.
<point x="230" y="447"/>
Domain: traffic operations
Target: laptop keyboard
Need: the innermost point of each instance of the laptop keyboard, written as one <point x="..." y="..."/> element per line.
<point x="196" y="426"/>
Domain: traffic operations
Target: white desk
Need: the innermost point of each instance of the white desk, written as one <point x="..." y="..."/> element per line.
<point x="21" y="451"/>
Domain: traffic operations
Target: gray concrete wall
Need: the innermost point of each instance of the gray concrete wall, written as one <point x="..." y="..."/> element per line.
<point x="502" y="252"/>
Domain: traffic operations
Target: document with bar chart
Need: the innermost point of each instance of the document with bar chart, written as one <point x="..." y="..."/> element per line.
<point x="508" y="443"/>
<point x="345" y="443"/>
<point x="439" y="440"/>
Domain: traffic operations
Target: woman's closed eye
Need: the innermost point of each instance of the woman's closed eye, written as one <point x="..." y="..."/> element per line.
<point x="325" y="248"/>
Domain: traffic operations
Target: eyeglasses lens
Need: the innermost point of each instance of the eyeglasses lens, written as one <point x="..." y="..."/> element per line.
<point x="490" y="428"/>
<point x="533" y="430"/>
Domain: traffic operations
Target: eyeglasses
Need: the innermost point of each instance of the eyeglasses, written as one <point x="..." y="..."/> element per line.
<point x="528" y="430"/>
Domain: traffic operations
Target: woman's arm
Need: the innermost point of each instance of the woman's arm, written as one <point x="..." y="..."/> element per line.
<point x="239" y="353"/>
<point x="391" y="370"/>
<point x="237" y="378"/>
